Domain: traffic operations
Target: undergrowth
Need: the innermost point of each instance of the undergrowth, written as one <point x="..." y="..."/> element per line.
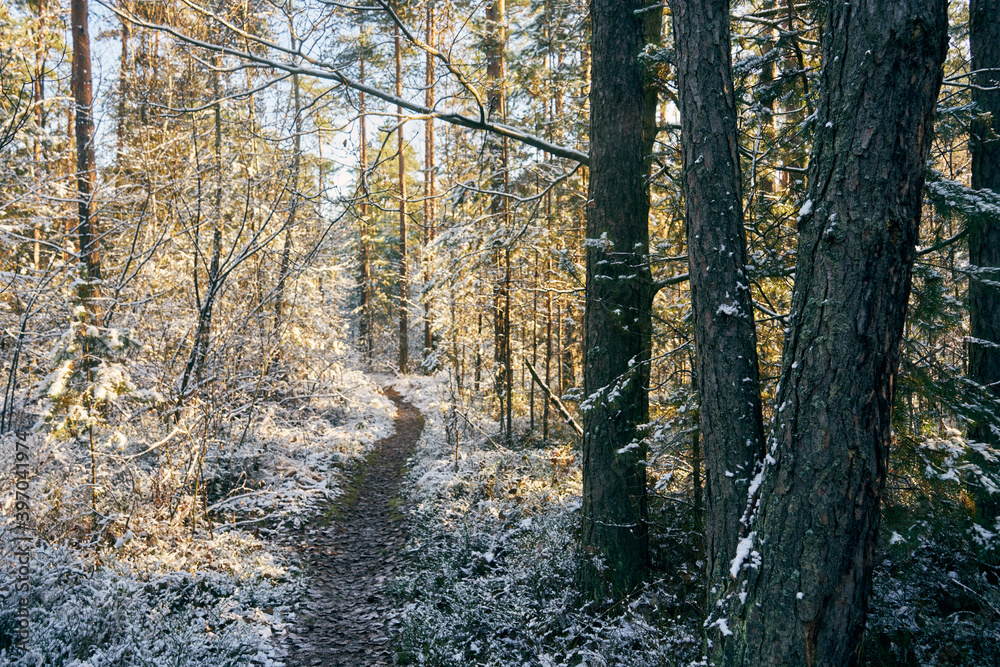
<point x="182" y="563"/>
<point x="493" y="557"/>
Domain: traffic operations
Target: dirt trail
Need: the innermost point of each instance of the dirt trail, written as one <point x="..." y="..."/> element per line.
<point x="345" y="616"/>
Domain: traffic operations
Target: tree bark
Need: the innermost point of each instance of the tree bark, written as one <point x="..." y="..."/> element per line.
<point x="86" y="169"/>
<point x="984" y="230"/>
<point x="803" y="574"/>
<point x="617" y="316"/>
<point x="731" y="422"/>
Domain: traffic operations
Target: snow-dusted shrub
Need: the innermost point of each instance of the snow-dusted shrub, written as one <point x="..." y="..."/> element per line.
<point x="937" y="591"/>
<point x="83" y="616"/>
<point x="171" y="577"/>
<point x="493" y="559"/>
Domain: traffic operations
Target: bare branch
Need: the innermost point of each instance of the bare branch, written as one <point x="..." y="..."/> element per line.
<point x="329" y="72"/>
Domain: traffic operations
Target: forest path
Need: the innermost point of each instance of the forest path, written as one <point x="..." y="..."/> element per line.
<point x="350" y="560"/>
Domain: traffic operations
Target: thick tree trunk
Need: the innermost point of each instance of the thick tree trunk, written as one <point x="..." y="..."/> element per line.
<point x="731" y="425"/>
<point x="86" y="170"/>
<point x="404" y="276"/>
<point x="803" y="572"/>
<point x="617" y="317"/>
<point x="984" y="228"/>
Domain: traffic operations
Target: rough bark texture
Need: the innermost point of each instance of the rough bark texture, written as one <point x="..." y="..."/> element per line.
<point x="86" y="170"/>
<point x="731" y="424"/>
<point x="807" y="577"/>
<point x="984" y="229"/>
<point x="617" y="317"/>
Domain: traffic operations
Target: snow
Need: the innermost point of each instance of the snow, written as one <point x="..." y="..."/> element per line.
<point x="743" y="550"/>
<point x="755" y="483"/>
<point x="726" y="309"/>
<point x="806" y="209"/>
<point x="723" y="625"/>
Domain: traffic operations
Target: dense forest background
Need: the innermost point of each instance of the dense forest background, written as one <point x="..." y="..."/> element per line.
<point x="220" y="222"/>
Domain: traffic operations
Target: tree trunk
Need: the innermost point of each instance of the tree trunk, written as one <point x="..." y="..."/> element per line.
<point x="404" y="279"/>
<point x="364" y="262"/>
<point x="38" y="88"/>
<point x="124" y="79"/>
<point x="86" y="170"/>
<point x="984" y="229"/>
<point x="495" y="43"/>
<point x="731" y="424"/>
<point x="194" y="370"/>
<point x="430" y="191"/>
<point x="617" y="317"/>
<point x="803" y="572"/>
<point x="293" y="207"/>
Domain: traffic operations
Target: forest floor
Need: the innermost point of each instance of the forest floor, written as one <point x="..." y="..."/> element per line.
<point x="351" y="554"/>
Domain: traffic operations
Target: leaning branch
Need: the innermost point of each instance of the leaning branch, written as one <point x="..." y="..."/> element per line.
<point x="555" y="399"/>
<point x="329" y="72"/>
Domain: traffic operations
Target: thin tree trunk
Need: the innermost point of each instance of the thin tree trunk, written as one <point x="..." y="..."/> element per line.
<point x="984" y="231"/>
<point x="404" y="280"/>
<point x="123" y="85"/>
<point x="39" y="98"/>
<point x="495" y="43"/>
<point x="194" y="370"/>
<point x="765" y="186"/>
<point x="86" y="170"/>
<point x="430" y="190"/>
<point x="69" y="248"/>
<point x="617" y="317"/>
<point x="803" y="571"/>
<point x="548" y="321"/>
<point x="559" y="349"/>
<point x="731" y="422"/>
<point x="364" y="238"/>
<point x="508" y="336"/>
<point x="286" y="250"/>
<point x="478" y="377"/>
<point x="534" y="343"/>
